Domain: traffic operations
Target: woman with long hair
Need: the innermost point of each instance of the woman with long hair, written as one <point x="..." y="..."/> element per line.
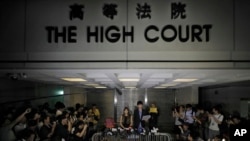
<point x="126" y="119"/>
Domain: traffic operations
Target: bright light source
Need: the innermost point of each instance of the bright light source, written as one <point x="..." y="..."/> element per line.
<point x="91" y="84"/>
<point x="74" y="79"/>
<point x="100" y="87"/>
<point x="115" y="100"/>
<point x="185" y="80"/>
<point x="60" y="92"/>
<point x="169" y="84"/>
<point x="130" y="87"/>
<point x="129" y="79"/>
<point x="159" y="87"/>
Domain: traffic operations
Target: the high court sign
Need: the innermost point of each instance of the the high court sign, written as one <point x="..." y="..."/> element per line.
<point x="115" y="33"/>
<point x="75" y="25"/>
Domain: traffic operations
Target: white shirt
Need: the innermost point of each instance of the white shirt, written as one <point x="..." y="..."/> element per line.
<point x="189" y="116"/>
<point x="58" y="113"/>
<point x="6" y="133"/>
<point x="213" y="124"/>
<point x="177" y="122"/>
<point x="19" y="127"/>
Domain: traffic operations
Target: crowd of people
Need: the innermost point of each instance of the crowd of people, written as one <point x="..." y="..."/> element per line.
<point x="60" y="123"/>
<point x="79" y="123"/>
<point x="199" y="124"/>
<point x="45" y="124"/>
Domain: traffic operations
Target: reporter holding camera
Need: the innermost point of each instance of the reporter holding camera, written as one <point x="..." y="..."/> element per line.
<point x="47" y="130"/>
<point x="63" y="129"/>
<point x="95" y="115"/>
<point x="215" y="119"/>
<point x="79" y="131"/>
<point x="179" y="115"/>
<point x="6" y="132"/>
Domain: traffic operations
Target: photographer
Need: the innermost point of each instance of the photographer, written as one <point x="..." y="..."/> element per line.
<point x="185" y="131"/>
<point x="201" y="119"/>
<point x="189" y="116"/>
<point x="6" y="132"/>
<point x="178" y="114"/>
<point x="94" y="114"/>
<point x="63" y="129"/>
<point x="215" y="120"/>
<point x="47" y="130"/>
<point x="79" y="131"/>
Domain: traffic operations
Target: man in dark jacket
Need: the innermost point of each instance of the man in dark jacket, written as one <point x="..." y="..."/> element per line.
<point x="63" y="129"/>
<point x="139" y="124"/>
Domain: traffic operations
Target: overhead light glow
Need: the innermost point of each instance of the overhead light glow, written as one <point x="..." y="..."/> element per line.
<point x="74" y="79"/>
<point x="130" y="87"/>
<point x="100" y="87"/>
<point x="91" y="84"/>
<point x="159" y="87"/>
<point x="129" y="79"/>
<point x="169" y="84"/>
<point x="185" y="80"/>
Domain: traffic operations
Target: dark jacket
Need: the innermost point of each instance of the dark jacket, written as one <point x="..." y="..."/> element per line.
<point x="138" y="119"/>
<point x="61" y="132"/>
<point x="44" y="132"/>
